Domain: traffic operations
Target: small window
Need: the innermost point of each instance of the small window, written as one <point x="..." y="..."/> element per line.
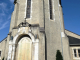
<point x="75" y="53"/>
<point x="0" y="53"/>
<point x="60" y="2"/>
<point x="28" y="8"/>
<point x="50" y="9"/>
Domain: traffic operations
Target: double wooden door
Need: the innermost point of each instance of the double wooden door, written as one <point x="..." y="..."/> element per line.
<point x="24" y="49"/>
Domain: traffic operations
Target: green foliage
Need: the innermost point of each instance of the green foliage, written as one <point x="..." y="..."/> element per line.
<point x="58" y="55"/>
<point x="3" y="58"/>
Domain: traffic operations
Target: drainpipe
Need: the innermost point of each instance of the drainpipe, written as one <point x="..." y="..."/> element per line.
<point x="44" y="13"/>
<point x="60" y="26"/>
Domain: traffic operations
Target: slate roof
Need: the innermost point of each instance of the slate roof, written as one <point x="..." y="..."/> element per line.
<point x="74" y="41"/>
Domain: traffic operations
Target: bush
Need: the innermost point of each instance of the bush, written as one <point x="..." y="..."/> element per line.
<point x="3" y="59"/>
<point x="58" y="55"/>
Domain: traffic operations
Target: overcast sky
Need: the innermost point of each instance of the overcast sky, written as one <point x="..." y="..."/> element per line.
<point x="71" y="11"/>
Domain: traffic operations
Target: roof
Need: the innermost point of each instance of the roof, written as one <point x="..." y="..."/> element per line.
<point x="73" y="41"/>
<point x="72" y="32"/>
<point x="3" y="39"/>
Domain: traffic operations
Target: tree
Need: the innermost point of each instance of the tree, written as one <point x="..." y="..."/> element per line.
<point x="58" y="55"/>
<point x="3" y="58"/>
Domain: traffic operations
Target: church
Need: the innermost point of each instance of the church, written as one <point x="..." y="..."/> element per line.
<point x="37" y="32"/>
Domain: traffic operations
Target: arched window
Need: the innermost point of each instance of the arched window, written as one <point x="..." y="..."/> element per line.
<point x="28" y="9"/>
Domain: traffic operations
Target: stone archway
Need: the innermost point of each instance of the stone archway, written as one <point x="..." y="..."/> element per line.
<point x="14" y="48"/>
<point x="23" y="33"/>
<point x="23" y="50"/>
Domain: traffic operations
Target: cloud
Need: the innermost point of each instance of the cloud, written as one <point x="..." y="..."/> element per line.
<point x="9" y="17"/>
<point x="2" y="14"/>
<point x="11" y="1"/>
<point x="0" y="21"/>
<point x="11" y="7"/>
<point x="3" y="5"/>
<point x="4" y="25"/>
<point x="5" y="15"/>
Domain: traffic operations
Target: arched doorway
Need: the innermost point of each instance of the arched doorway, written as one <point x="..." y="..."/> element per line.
<point x="23" y="50"/>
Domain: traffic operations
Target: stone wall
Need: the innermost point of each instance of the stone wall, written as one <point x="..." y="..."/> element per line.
<point x="2" y="48"/>
<point x="54" y="30"/>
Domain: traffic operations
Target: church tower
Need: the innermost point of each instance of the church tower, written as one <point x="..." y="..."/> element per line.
<point x="37" y="31"/>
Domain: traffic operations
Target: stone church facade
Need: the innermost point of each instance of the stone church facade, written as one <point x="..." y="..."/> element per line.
<point x="37" y="32"/>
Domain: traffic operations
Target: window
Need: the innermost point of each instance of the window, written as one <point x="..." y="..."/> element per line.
<point x="75" y="53"/>
<point x="60" y="2"/>
<point x="79" y="52"/>
<point x="28" y="8"/>
<point x="0" y="53"/>
<point x="50" y="8"/>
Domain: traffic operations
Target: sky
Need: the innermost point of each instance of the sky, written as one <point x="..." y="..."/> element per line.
<point x="71" y="15"/>
<point x="6" y="9"/>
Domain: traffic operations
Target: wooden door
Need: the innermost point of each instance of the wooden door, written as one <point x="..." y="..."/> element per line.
<point x="24" y="49"/>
